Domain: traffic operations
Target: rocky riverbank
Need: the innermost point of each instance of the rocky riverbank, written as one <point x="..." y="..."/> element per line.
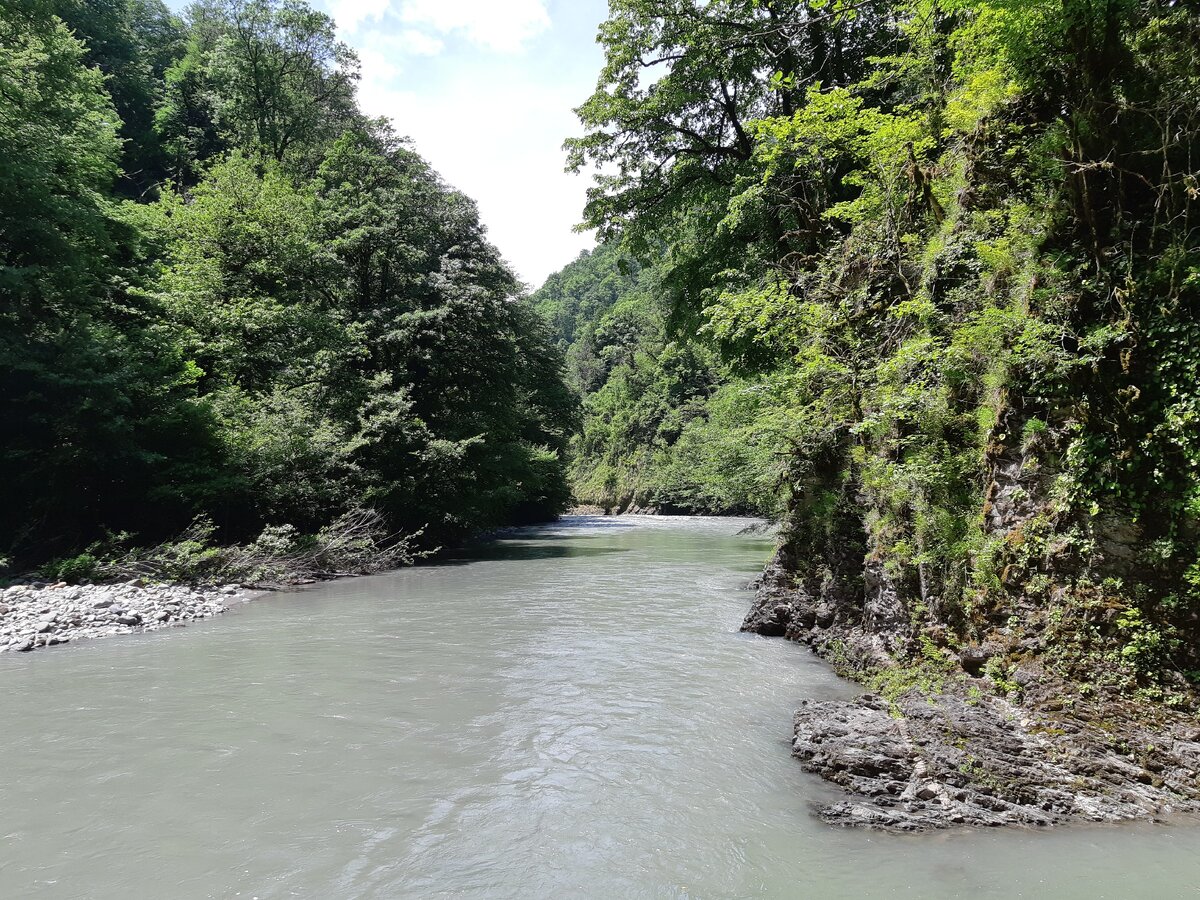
<point x="939" y="748"/>
<point x="38" y="615"/>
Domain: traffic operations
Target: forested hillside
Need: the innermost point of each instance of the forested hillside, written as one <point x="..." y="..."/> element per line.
<point x="667" y="426"/>
<point x="955" y="240"/>
<point x="225" y="293"/>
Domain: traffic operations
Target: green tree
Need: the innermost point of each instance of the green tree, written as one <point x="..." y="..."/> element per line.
<point x="304" y="323"/>
<point x="955" y="236"/>
<point x="132" y="42"/>
<point x="670" y="125"/>
<point x="283" y="81"/>
<point x="88" y="393"/>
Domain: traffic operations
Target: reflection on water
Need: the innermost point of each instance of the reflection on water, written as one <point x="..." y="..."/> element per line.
<point x="568" y="712"/>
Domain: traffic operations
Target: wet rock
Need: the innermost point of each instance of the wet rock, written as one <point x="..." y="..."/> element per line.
<point x="821" y="616"/>
<point x="961" y="756"/>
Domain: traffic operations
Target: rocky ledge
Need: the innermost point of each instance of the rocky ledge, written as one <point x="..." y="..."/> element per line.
<point x="37" y="615"/>
<point x="935" y="761"/>
<point x="949" y="752"/>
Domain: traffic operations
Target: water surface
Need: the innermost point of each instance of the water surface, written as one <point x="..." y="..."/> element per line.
<point x="569" y="712"/>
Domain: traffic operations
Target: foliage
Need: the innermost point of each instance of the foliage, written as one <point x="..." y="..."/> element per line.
<point x="666" y="424"/>
<point x="958" y="235"/>
<point x="262" y="311"/>
<point x="355" y="543"/>
<point x="132" y="43"/>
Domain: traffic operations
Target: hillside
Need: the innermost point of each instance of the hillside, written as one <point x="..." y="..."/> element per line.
<point x="234" y="304"/>
<point x="667" y="425"/>
<point x="958" y="241"/>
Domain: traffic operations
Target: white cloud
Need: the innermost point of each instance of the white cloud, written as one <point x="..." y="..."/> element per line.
<point x="349" y="14"/>
<point x="489" y="118"/>
<point x="508" y="160"/>
<point x="500" y="25"/>
<point x="415" y="43"/>
<point x="383" y="54"/>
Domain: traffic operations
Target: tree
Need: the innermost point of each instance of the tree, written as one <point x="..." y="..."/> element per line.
<point x="283" y="82"/>
<point x="86" y="388"/>
<point x="132" y="42"/>
<point x="669" y="126"/>
<point x="955" y="238"/>
<point x="303" y="323"/>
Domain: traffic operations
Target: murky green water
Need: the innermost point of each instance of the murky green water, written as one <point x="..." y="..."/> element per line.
<point x="571" y="713"/>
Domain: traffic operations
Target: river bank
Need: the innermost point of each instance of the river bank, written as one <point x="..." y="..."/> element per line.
<point x="937" y="748"/>
<point x="36" y="615"/>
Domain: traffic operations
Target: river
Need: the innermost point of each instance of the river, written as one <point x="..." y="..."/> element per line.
<point x="567" y="712"/>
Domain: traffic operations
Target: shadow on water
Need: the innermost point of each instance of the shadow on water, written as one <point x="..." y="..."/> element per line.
<point x="592" y="522"/>
<point x="510" y="549"/>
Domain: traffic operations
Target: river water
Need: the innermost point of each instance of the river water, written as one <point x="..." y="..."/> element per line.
<point x="569" y="712"/>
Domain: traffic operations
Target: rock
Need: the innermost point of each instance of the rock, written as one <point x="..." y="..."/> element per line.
<point x="819" y="616"/>
<point x="61" y="613"/>
<point x="972" y="659"/>
<point x="1024" y="676"/>
<point x="972" y="761"/>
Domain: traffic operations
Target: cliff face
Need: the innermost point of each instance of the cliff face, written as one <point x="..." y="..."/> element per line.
<point x="1021" y="711"/>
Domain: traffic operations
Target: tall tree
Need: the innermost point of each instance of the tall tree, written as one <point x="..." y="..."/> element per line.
<point x="958" y="232"/>
<point x="132" y="42"/>
<point x="283" y="81"/>
<point x="669" y="126"/>
<point x="86" y="387"/>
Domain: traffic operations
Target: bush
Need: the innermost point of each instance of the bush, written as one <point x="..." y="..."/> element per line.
<point x="356" y="543"/>
<point x="74" y="569"/>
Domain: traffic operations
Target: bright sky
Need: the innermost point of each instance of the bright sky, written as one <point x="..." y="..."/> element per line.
<point x="486" y="89"/>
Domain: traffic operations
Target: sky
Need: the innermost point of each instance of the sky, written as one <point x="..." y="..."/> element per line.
<point x="486" y="90"/>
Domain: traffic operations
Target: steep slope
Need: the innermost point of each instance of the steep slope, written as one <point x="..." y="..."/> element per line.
<point x="961" y="235"/>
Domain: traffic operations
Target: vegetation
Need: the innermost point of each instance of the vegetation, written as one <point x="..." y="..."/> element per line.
<point x="355" y="543"/>
<point x="951" y="243"/>
<point x="667" y="424"/>
<point x="228" y="296"/>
